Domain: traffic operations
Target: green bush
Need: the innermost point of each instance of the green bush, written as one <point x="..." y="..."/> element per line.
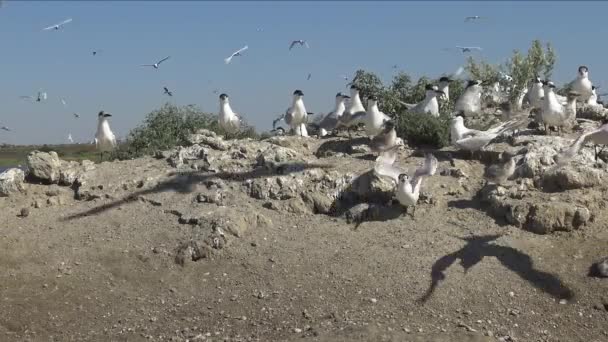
<point x="170" y="126"/>
<point x="424" y="129"/>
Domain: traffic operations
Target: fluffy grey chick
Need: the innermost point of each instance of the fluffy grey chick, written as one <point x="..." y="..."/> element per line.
<point x="599" y="269"/>
<point x="499" y="173"/>
<point x="386" y="139"/>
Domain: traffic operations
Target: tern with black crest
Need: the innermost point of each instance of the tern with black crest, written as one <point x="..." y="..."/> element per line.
<point x="105" y="140"/>
<point x="296" y="116"/>
<point x="229" y="120"/>
<point x="582" y="84"/>
<point x="58" y="26"/>
<point x="430" y="104"/>
<point x="470" y="100"/>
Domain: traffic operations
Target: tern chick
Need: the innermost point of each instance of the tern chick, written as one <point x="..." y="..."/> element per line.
<point x="386" y="140"/>
<point x="499" y="173"/>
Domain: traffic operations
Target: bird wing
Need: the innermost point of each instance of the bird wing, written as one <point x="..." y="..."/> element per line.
<point x="227" y="60"/>
<point x="243" y="49"/>
<point x="48" y="28"/>
<point x="428" y="169"/>
<point x="147" y="65"/>
<point x="63" y="102"/>
<point x="384" y="166"/>
<point x="292" y="44"/>
<point x="567" y="155"/>
<point x="275" y="121"/>
<point x="65" y="22"/>
<point x="164" y="59"/>
<point x="44" y="96"/>
<point x="27" y="97"/>
<point x="306" y="44"/>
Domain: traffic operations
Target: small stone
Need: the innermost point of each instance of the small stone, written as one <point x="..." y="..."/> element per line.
<point x="25" y="212"/>
<point x="511" y="294"/>
<point x="297" y="330"/>
<point x="373" y="300"/>
<point x="563" y="301"/>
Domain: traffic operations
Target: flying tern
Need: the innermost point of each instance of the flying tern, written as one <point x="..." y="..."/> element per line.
<point x="167" y="92"/>
<point x="6" y="128"/>
<point x="57" y="26"/>
<point x="408" y="189"/>
<point x="472" y="18"/>
<point x="157" y="64"/>
<point x="468" y="48"/>
<point x="308" y="77"/>
<point x="236" y="53"/>
<point x="76" y="115"/>
<point x="300" y="41"/>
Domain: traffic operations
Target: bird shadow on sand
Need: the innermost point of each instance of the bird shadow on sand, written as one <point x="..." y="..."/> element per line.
<point x="477" y="204"/>
<point x="479" y="247"/>
<point x="340" y="146"/>
<point x="185" y="182"/>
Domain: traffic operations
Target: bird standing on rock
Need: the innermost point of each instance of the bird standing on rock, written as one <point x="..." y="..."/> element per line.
<point x="229" y="120"/>
<point x="105" y="141"/>
<point x="470" y="100"/>
<point x="430" y="104"/>
<point x="296" y="115"/>
<point x="582" y="84"/>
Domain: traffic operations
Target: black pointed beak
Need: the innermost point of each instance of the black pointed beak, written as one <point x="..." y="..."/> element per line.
<point x="105" y="115"/>
<point x="346" y="96"/>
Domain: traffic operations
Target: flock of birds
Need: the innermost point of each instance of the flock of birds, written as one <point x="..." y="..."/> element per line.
<point x="539" y="101"/>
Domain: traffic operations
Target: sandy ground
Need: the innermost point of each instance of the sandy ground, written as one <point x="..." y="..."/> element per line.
<point x="82" y="271"/>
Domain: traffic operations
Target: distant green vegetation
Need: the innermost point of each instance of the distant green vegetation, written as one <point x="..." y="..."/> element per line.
<point x="15" y="155"/>
<point x="170" y="126"/>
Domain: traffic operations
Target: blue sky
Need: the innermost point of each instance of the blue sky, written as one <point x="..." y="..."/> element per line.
<point x="198" y="35"/>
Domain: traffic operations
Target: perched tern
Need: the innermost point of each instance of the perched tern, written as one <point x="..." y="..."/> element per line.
<point x="444" y="87"/>
<point x="582" y="84"/>
<point x="408" y="189"/>
<point x="330" y="121"/>
<point x="300" y="41"/>
<point x="296" y="115"/>
<point x="374" y="119"/>
<point x="474" y="140"/>
<point x="105" y="140"/>
<point x="167" y="92"/>
<point x="157" y="64"/>
<point x="229" y="120"/>
<point x="535" y="93"/>
<point x="429" y="105"/>
<point x="57" y="26"/>
<point x="553" y="112"/>
<point x="236" y="53"/>
<point x="470" y="100"/>
<point x="354" y="110"/>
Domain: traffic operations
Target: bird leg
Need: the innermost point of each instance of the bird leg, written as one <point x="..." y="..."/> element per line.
<point x="413" y="211"/>
<point x="100" y="156"/>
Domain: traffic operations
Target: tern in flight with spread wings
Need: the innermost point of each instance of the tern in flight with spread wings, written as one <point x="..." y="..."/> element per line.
<point x="236" y="53"/>
<point x="299" y="41"/>
<point x="472" y="18"/>
<point x="157" y="64"/>
<point x="57" y="26"/>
